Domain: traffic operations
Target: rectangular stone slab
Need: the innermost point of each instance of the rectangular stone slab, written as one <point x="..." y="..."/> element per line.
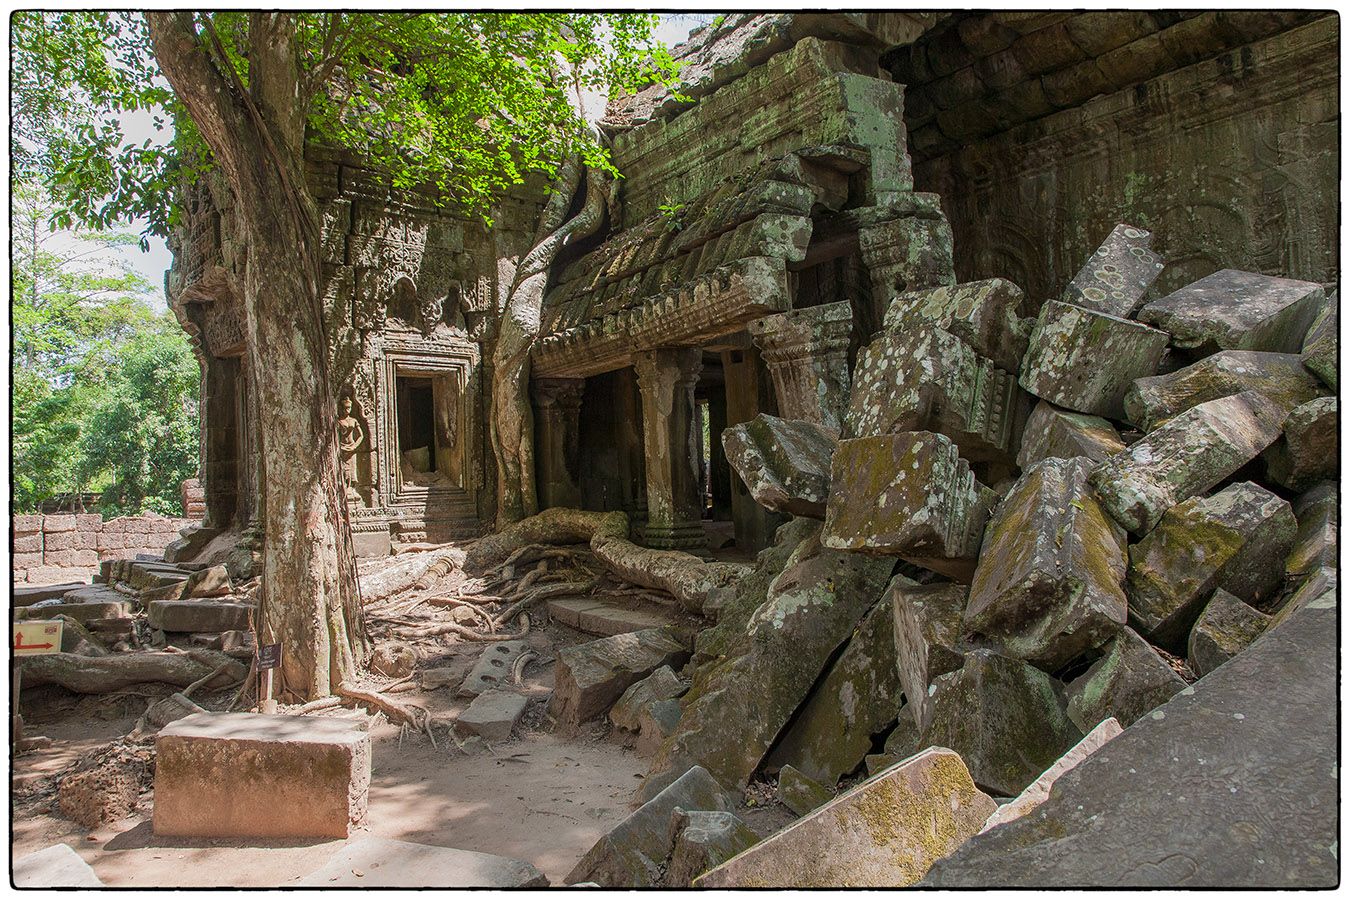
<point x="1235" y="310"/>
<point x="492" y="715"/>
<point x="384" y="863"/>
<point x="257" y="776"/>
<point x="493" y="667"/>
<point x="1115" y="277"/>
<point x="199" y="615"/>
<point x="57" y="866"/>
<point x="886" y="832"/>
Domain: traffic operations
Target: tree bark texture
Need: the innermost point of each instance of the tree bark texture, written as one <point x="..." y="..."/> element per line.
<point x="310" y="598"/>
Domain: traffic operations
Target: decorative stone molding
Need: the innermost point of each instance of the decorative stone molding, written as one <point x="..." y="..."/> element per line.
<point x="806" y="351"/>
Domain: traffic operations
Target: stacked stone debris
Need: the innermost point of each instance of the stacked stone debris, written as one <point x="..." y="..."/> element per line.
<point x="1036" y="518"/>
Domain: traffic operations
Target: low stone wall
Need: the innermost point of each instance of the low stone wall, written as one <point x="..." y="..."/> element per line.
<point x="69" y="547"/>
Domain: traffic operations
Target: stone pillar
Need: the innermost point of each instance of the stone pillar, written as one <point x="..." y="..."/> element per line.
<point x="666" y="379"/>
<point x="557" y="408"/>
<point x="806" y="351"/>
<point x="748" y="393"/>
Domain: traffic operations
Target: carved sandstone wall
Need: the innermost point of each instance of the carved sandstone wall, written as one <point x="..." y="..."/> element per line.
<point x="60" y="548"/>
<point x="1224" y="142"/>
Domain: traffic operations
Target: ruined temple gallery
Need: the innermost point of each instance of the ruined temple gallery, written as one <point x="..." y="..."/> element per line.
<point x="979" y="372"/>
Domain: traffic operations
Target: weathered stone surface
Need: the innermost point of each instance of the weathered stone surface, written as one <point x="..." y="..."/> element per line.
<point x="1086" y="360"/>
<point x="663" y="684"/>
<point x="1052" y="433"/>
<point x="27" y="595"/>
<point x="374" y="862"/>
<point x="492" y="715"/>
<point x="1234" y="540"/>
<point x="928" y="380"/>
<point x="1233" y="310"/>
<point x="1116" y="276"/>
<point x="1321" y="345"/>
<point x="209" y="582"/>
<point x="926" y="630"/>
<point x="57" y="866"/>
<point x="784" y="463"/>
<point x="1048" y="584"/>
<point x="492" y="669"/>
<point x="634" y="851"/>
<point x="1187" y="456"/>
<point x="393" y="659"/>
<point x="604" y="616"/>
<point x="886" y="832"/>
<point x="858" y="697"/>
<point x="806" y="351"/>
<point x="901" y="744"/>
<point x="738" y="705"/>
<point x="1225" y="628"/>
<point x="983" y="314"/>
<point x="1004" y="717"/>
<point x="1310" y="448"/>
<point x="1317" y="543"/>
<point x="200" y="615"/>
<point x="258" y="776"/>
<point x="590" y="677"/>
<point x="1280" y="377"/>
<point x="656" y="723"/>
<point x="909" y="495"/>
<point x="1126" y="683"/>
<point x="1037" y="792"/>
<point x="1316" y="587"/>
<point x="703" y="841"/>
<point x="800" y="792"/>
<point x="1230" y="783"/>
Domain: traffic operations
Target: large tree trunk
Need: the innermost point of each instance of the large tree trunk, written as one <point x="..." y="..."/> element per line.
<point x="512" y="415"/>
<point x="310" y="600"/>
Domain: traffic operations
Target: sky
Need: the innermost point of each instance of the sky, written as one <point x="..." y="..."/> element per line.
<point x="151" y="264"/>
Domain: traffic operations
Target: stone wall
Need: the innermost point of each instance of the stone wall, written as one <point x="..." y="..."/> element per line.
<point x="1231" y="161"/>
<point x="69" y="547"/>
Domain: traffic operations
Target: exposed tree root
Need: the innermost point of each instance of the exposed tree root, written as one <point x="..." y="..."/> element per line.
<point x="105" y="674"/>
<point x="404" y="713"/>
<point x="569" y="589"/>
<point x="468" y="633"/>
<point x="518" y="670"/>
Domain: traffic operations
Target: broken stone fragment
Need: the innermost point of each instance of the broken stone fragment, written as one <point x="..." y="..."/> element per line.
<point x="1320" y="347"/>
<point x="1048" y="584"/>
<point x="983" y="314"/>
<point x="858" y="697"/>
<point x="1054" y="433"/>
<point x="656" y="723"/>
<point x="1004" y="717"/>
<point x="590" y="677"/>
<point x="1317" y="543"/>
<point x="210" y="582"/>
<point x="633" y="853"/>
<point x="1280" y="377"/>
<point x="492" y="715"/>
<point x="57" y="866"/>
<point x="1126" y="683"/>
<point x="886" y="832"/>
<point x="909" y="495"/>
<point x="1116" y="276"/>
<point x="703" y="841"/>
<point x="1309" y="450"/>
<point x="1317" y="588"/>
<point x="784" y="463"/>
<point x="1187" y="456"/>
<point x="928" y="380"/>
<point x="200" y="615"/>
<point x="801" y="793"/>
<point x="1225" y="628"/>
<point x="1235" y="540"/>
<point x="1233" y="310"/>
<point x="926" y="620"/>
<point x="1086" y="360"/>
<point x="738" y="705"/>
<point x="663" y="684"/>
<point x="1039" y="790"/>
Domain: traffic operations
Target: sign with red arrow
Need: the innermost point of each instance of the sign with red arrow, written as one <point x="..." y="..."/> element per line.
<point x="36" y="638"/>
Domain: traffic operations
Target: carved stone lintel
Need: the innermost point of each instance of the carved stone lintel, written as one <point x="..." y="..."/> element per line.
<point x="806" y="351"/>
<point x="666" y="380"/>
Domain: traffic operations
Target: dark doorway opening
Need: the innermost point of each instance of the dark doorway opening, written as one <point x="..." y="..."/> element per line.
<point x="416" y="405"/>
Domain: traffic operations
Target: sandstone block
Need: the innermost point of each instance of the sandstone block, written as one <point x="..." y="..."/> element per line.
<point x="81" y="612"/>
<point x="57" y="866"/>
<point x="1048" y="584"/>
<point x="1039" y="790"/>
<point x="1225" y="628"/>
<point x="88" y="522"/>
<point x="801" y="793"/>
<point x="1280" y="377"/>
<point x="1189" y="455"/>
<point x="1005" y="718"/>
<point x="926" y="629"/>
<point x="1233" y="310"/>
<point x="58" y="523"/>
<point x="1129" y="681"/>
<point x="983" y="314"/>
<point x="26" y="524"/>
<point x="1116" y="276"/>
<point x="492" y="715"/>
<point x="656" y="723"/>
<point x="209" y="582"/>
<point x="26" y="560"/>
<point x="199" y="615"/>
<point x="27" y="596"/>
<point x="703" y="841"/>
<point x="1054" y="433"/>
<point x="257" y="776"/>
<point x="1086" y="360"/>
<point x="930" y="806"/>
<point x="590" y="677"/>
<point x="1317" y="543"/>
<point x="1318" y="589"/>
<point x="663" y="684"/>
<point x="908" y="495"/>
<point x="1321" y="346"/>
<point x="1235" y="540"/>
<point x="373" y="862"/>
<point x="492" y="669"/>
<point x="784" y="463"/>
<point x="1309" y="451"/>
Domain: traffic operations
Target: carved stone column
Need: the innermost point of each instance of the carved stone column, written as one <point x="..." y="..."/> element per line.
<point x="666" y="379"/>
<point x="806" y="351"/>
<point x="557" y="409"/>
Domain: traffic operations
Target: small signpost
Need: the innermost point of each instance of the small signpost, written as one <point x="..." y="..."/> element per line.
<point x="269" y="658"/>
<point x="35" y="638"/>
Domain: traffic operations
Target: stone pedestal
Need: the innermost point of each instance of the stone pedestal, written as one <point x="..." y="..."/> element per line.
<point x="557" y="408"/>
<point x="806" y="351"/>
<point x="666" y="379"/>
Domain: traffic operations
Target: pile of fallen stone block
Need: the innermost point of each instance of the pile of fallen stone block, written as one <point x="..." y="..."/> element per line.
<point x="1036" y="520"/>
